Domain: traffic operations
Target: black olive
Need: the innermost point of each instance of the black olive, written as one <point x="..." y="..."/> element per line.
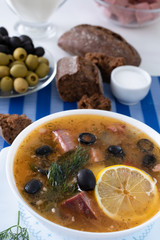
<point x="15" y="42"/>
<point x="33" y="186"/>
<point x="25" y="38"/>
<point x="39" y="51"/>
<point x="6" y="40"/>
<point x="87" y="138"/>
<point x="4" y="49"/>
<point x="3" y="31"/>
<point x="149" y="161"/>
<point x="28" y="46"/>
<point x="44" y="150"/>
<point x="42" y="171"/>
<point x="116" y="151"/>
<point x="1" y="39"/>
<point x="86" y="179"/>
<point x="145" y="145"/>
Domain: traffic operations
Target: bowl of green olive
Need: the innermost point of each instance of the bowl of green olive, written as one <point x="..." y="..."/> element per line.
<point x="22" y="74"/>
<point x="24" y="68"/>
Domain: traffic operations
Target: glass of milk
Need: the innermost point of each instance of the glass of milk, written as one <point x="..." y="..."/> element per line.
<point x="35" y="16"/>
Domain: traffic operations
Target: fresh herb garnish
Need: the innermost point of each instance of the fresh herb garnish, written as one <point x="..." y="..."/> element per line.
<point x="33" y="167"/>
<point x="16" y="232"/>
<point x="61" y="173"/>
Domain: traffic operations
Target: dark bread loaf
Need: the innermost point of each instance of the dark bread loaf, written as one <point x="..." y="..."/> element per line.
<point x="85" y="38"/>
<point x="76" y="77"/>
<point x="105" y="63"/>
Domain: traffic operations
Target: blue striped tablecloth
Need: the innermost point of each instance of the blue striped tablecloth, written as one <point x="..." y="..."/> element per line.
<point x="47" y="101"/>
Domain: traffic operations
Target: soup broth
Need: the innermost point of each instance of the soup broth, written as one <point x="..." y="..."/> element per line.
<point x="55" y="143"/>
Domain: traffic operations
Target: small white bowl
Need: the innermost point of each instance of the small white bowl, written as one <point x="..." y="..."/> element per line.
<point x="130" y="84"/>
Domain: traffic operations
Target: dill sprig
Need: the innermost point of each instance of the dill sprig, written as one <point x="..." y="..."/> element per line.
<point x="61" y="173"/>
<point x="16" y="232"/>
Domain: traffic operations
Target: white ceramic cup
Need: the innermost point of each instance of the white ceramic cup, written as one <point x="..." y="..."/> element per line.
<point x="130" y="84"/>
<point x="59" y="232"/>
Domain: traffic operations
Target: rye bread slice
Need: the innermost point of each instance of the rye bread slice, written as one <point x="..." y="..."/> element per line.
<point x="12" y="125"/>
<point x="86" y="38"/>
<point x="77" y="76"/>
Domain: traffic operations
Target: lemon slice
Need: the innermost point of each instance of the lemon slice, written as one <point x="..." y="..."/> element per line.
<point x="126" y="193"/>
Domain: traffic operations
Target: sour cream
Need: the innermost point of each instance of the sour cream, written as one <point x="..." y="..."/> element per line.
<point x="130" y="79"/>
<point x="130" y="84"/>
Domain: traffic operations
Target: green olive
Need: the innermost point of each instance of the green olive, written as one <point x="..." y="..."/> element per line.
<point x="16" y="62"/>
<point x="4" y="59"/>
<point x="32" y="79"/>
<point x="32" y="61"/>
<point x="4" y="71"/>
<point x="11" y="59"/>
<point x="6" y="84"/>
<point x="18" y="70"/>
<point x="42" y="70"/>
<point x="43" y="60"/>
<point x="20" y="54"/>
<point x="20" y="85"/>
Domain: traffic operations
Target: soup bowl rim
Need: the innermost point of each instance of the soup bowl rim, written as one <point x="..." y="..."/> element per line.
<point x="56" y="227"/>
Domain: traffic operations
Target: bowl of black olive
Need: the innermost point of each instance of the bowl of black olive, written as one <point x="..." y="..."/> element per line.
<point x="75" y="169"/>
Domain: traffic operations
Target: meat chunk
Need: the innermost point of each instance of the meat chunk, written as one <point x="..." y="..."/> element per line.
<point x="126" y="16"/>
<point x="143" y="17"/>
<point x="80" y="204"/>
<point x="96" y="101"/>
<point x="64" y="140"/>
<point x="156" y="168"/>
<point x="142" y="1"/>
<point x="12" y="125"/>
<point x="155" y="6"/>
<point x="117" y="128"/>
<point x="110" y="1"/>
<point x="96" y="155"/>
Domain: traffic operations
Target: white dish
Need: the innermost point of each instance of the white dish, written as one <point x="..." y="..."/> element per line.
<point x="43" y="82"/>
<point x="59" y="231"/>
